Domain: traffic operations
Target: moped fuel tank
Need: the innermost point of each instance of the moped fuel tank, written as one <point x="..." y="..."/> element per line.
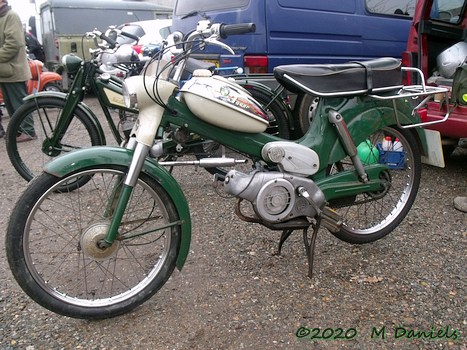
<point x="222" y="102"/>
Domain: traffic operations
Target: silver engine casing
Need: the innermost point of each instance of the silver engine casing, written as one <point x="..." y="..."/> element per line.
<point x="292" y="157"/>
<point x="274" y="195"/>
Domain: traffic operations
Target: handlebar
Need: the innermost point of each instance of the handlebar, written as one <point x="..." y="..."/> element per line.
<point x="206" y="33"/>
<point x="97" y="34"/>
<point x="128" y="35"/>
<point x="226" y="30"/>
<point x="112" y="43"/>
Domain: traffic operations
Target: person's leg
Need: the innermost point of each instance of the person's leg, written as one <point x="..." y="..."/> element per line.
<point x="2" y="131"/>
<point x="13" y="94"/>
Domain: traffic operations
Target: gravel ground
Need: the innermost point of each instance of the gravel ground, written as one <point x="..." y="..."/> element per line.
<point x="233" y="293"/>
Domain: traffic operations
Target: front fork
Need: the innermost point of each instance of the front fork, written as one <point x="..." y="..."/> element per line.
<point x="122" y="192"/>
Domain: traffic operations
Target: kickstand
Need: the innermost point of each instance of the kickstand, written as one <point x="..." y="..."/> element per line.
<point x="285" y="234"/>
<point x="310" y="245"/>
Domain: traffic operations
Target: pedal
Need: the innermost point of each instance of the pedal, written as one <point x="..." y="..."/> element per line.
<point x="219" y="178"/>
<point x="331" y="220"/>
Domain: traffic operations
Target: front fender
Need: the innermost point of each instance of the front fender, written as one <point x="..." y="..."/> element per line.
<point x="58" y="94"/>
<point x="108" y="156"/>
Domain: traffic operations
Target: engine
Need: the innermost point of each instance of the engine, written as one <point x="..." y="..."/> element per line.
<point x="276" y="197"/>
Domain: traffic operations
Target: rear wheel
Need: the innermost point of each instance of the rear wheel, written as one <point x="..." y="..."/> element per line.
<point x="52" y="87"/>
<point x="304" y="109"/>
<point x="52" y="247"/>
<point x="371" y="216"/>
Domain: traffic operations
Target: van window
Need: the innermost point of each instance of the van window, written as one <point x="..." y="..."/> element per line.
<point x="391" y="7"/>
<point x="185" y="7"/>
<point x="338" y="6"/>
<point x="447" y="10"/>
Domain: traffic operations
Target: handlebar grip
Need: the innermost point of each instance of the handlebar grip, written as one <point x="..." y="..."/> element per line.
<point x="112" y="43"/>
<point x="128" y="35"/>
<point x="235" y="29"/>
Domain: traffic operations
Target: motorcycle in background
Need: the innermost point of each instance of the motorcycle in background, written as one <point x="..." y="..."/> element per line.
<point x="65" y="122"/>
<point x="41" y="80"/>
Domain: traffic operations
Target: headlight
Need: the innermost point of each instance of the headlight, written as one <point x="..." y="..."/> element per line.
<point x="71" y="63"/>
<point x="129" y="93"/>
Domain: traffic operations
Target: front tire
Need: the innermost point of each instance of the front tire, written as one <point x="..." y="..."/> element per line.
<point x="37" y="119"/>
<point x="52" y="252"/>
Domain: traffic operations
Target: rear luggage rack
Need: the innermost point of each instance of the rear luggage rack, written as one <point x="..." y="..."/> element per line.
<point x="416" y="91"/>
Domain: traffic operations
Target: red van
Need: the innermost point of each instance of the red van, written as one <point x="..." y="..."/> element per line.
<point x="437" y="45"/>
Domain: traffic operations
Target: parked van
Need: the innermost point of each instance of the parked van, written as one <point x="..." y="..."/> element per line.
<point x="64" y="23"/>
<point x="437" y="46"/>
<point x="302" y="31"/>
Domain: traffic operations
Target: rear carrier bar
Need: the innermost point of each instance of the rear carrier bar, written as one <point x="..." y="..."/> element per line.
<point x="414" y="92"/>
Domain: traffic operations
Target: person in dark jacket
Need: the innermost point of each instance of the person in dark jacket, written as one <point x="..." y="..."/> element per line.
<point x="14" y="68"/>
<point x="34" y="47"/>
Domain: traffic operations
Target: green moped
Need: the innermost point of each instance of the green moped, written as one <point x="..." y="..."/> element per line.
<point x="102" y="247"/>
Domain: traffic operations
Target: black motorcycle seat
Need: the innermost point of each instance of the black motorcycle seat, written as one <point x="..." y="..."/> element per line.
<point x="352" y="78"/>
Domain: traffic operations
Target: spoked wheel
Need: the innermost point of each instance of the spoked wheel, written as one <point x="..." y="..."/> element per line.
<point x="29" y="145"/>
<point x="278" y="126"/>
<point x="52" y="244"/>
<point x="370" y="216"/>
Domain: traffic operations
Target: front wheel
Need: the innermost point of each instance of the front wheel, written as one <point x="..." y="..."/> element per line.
<point x="52" y="250"/>
<point x="30" y="130"/>
<point x="370" y="216"/>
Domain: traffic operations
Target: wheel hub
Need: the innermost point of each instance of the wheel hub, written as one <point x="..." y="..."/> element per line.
<point x="49" y="149"/>
<point x="90" y="240"/>
<point x="386" y="176"/>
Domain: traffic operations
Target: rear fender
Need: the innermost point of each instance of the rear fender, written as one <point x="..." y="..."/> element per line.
<point x="47" y="77"/>
<point x="108" y="156"/>
<point x="364" y="118"/>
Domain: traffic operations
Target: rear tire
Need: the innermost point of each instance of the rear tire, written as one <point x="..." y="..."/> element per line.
<point x="52" y="87"/>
